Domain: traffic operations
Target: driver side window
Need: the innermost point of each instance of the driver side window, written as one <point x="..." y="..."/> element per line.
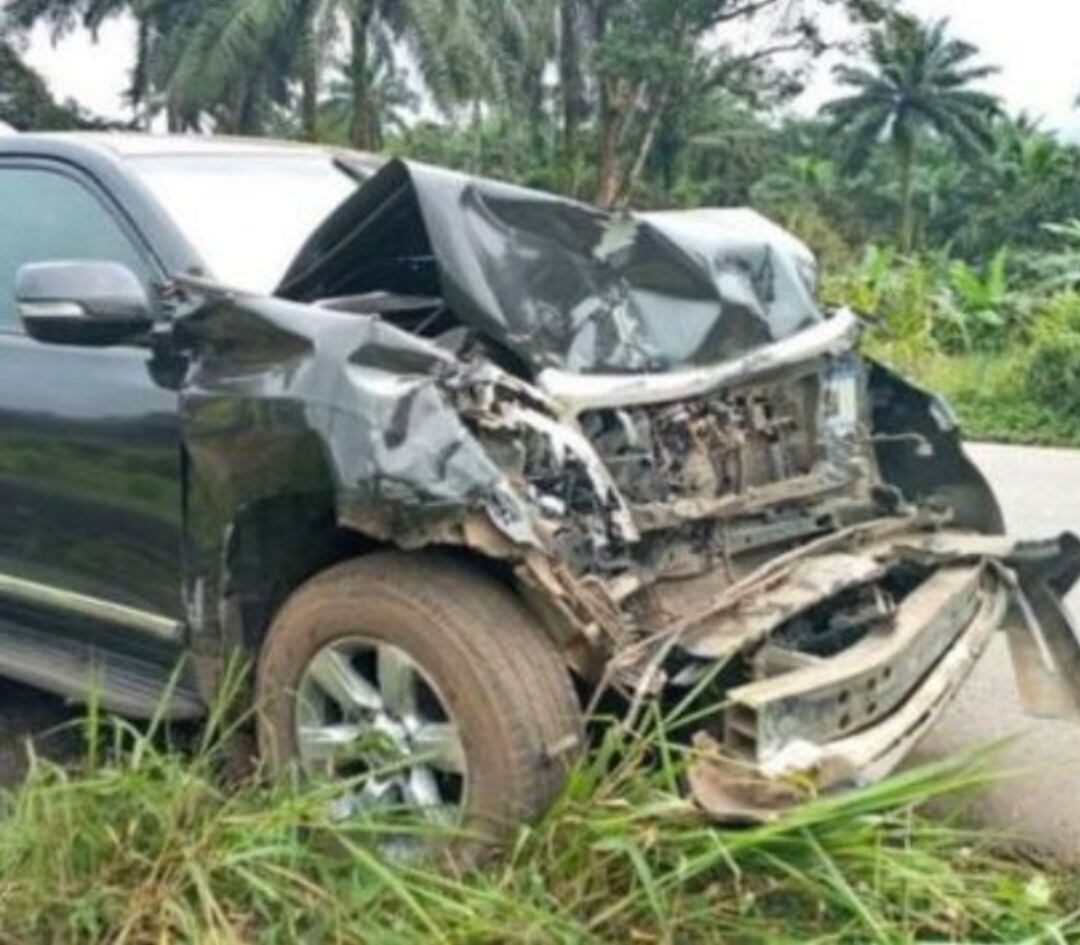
<point x="46" y="216"/>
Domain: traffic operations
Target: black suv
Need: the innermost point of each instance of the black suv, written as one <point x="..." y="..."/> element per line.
<point x="446" y="459"/>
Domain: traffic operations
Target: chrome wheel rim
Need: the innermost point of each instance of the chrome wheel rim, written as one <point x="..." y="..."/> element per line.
<point x="366" y="710"/>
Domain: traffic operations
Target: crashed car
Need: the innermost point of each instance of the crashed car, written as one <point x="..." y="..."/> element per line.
<point x="448" y="461"/>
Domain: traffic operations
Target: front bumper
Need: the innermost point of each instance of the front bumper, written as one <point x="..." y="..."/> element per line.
<point x="806" y="722"/>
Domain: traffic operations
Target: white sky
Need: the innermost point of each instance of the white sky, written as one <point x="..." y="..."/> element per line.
<point x="1034" y="42"/>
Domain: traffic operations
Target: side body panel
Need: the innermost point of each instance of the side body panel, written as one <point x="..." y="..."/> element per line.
<point x="91" y="461"/>
<point x="90" y="473"/>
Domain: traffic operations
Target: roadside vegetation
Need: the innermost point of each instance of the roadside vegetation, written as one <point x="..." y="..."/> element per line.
<point x="143" y="843"/>
<point x="1004" y="351"/>
<point x="951" y="224"/>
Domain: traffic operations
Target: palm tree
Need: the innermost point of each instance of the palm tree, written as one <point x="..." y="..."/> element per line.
<point x="235" y="60"/>
<point x="522" y="39"/>
<point x="576" y="29"/>
<point x="391" y="98"/>
<point x="231" y="40"/>
<point x="152" y="18"/>
<point x="919" y="81"/>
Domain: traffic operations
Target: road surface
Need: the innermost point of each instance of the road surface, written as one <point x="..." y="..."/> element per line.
<point x="1039" y="491"/>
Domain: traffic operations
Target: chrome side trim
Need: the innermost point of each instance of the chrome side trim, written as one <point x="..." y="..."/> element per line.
<point x="44" y="595"/>
<point x="51" y="310"/>
<point x="575" y="393"/>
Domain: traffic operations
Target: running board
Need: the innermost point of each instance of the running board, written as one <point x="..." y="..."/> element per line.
<point x="122" y="684"/>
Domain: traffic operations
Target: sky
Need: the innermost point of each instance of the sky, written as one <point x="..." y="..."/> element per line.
<point x="1034" y="43"/>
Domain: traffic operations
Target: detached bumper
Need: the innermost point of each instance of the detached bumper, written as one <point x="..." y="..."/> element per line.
<point x="807" y="722"/>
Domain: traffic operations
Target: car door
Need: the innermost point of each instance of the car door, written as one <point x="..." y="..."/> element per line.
<point x="90" y="460"/>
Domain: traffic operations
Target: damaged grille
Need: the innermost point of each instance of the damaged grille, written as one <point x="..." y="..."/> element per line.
<point x="643" y="490"/>
<point x="709" y="447"/>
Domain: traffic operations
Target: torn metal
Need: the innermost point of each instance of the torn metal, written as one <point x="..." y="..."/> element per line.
<point x="650" y="427"/>
<point x="838" y="689"/>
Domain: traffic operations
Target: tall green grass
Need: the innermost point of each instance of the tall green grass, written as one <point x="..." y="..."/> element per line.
<point x="992" y="395"/>
<point x="1005" y="352"/>
<point x="142" y="843"/>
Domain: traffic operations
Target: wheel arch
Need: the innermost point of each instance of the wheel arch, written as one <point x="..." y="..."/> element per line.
<point x="277" y="544"/>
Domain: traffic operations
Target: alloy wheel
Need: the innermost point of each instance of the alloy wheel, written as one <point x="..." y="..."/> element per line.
<point x="365" y="707"/>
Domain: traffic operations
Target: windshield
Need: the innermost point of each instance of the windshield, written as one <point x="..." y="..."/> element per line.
<point x="246" y="215"/>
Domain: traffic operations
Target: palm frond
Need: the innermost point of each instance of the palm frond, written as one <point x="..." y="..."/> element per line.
<point x="925" y="80"/>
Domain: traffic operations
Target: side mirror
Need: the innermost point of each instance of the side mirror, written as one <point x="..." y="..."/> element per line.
<point x="81" y="303"/>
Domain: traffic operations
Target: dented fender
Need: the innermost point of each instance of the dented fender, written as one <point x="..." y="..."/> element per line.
<point x="286" y="398"/>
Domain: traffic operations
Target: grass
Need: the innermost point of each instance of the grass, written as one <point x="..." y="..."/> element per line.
<point x="1006" y="357"/>
<point x="990" y="395"/>
<point x="141" y="843"/>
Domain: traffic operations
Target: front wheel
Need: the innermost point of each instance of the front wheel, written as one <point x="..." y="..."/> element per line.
<point x="429" y="678"/>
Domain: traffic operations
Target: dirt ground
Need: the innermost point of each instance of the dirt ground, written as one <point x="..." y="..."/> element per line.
<point x="26" y="712"/>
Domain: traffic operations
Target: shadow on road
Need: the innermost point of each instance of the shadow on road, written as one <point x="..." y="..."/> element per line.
<point x="27" y="715"/>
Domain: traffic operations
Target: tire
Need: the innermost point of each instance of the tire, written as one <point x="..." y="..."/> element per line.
<point x="501" y="678"/>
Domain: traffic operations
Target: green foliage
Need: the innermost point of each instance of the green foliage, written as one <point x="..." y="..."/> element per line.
<point x="1056" y="314"/>
<point x="25" y="101"/>
<point x="979" y="311"/>
<point x="934" y="303"/>
<point x="990" y="394"/>
<point x="1005" y="354"/>
<point x="1053" y="376"/>
<point x="1057" y="268"/>
<point x="919" y="81"/>
<point x="900" y="295"/>
<point x="144" y="844"/>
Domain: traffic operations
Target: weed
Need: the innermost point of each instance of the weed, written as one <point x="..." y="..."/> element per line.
<point x="141" y="844"/>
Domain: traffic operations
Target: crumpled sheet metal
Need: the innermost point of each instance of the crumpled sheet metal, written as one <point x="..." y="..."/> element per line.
<point x="284" y="399"/>
<point x="808" y="583"/>
<point x="891" y="688"/>
<point x="562" y="284"/>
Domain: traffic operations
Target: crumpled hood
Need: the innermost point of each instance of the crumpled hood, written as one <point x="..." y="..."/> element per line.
<point x="562" y="284"/>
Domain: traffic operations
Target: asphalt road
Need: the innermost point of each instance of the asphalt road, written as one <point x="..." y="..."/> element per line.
<point x="1039" y="490"/>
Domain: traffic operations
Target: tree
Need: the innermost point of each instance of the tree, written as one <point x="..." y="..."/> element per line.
<point x="62" y="16"/>
<point x="919" y="81"/>
<point x="230" y="41"/>
<point x="234" y="61"/>
<point x="26" y="104"/>
<point x="391" y="98"/>
<point x="650" y="58"/>
<point x="576" y="33"/>
<point x="521" y="43"/>
<point x="228" y="63"/>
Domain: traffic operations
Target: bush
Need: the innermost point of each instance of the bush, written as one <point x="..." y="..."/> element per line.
<point x="1053" y="376"/>
<point x="931" y="303"/>
<point x="899" y="293"/>
<point x="1058" y="313"/>
<point x="989" y="393"/>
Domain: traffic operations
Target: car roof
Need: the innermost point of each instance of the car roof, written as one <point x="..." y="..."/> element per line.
<point x="125" y="144"/>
